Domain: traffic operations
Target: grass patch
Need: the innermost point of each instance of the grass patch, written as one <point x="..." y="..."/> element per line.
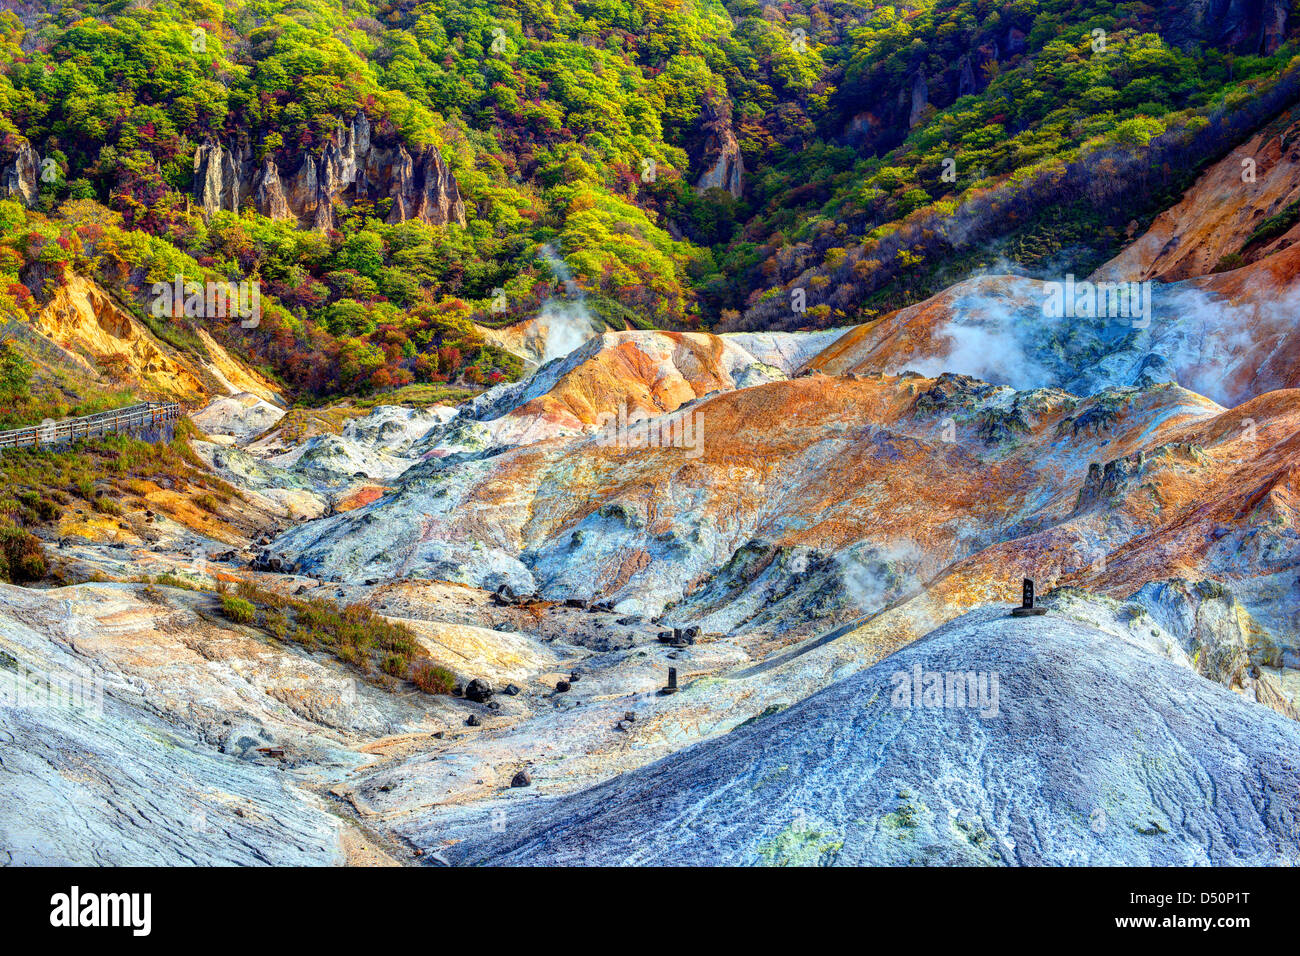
<point x="432" y="678"/>
<point x="22" y="556"/>
<point x="352" y="633"/>
<point x="237" y="609"/>
<point x="419" y="396"/>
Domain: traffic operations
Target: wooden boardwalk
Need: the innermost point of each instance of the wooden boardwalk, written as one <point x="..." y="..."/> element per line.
<point x="144" y="415"/>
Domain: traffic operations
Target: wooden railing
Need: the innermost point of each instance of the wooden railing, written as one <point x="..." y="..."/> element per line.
<point x="144" y="415"/>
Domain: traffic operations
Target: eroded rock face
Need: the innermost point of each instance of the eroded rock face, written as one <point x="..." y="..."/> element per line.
<point x="1218" y="637"/>
<point x="421" y="186"/>
<point x="240" y="416"/>
<point x="83" y="319"/>
<point x="1242" y="26"/>
<point x="19" y="175"/>
<point x="218" y="176"/>
<point x="919" y="101"/>
<point x="354" y="164"/>
<point x="720" y="153"/>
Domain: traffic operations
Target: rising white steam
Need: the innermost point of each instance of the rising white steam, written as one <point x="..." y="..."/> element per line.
<point x="565" y="323"/>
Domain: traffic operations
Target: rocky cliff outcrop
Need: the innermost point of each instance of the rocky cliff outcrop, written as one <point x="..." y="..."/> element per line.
<point x="219" y="175"/>
<point x="269" y="195"/>
<point x="421" y="185"/>
<point x="1242" y="26"/>
<point x="719" y="152"/>
<point x="920" y="99"/>
<point x="355" y="164"/>
<point x="20" y="169"/>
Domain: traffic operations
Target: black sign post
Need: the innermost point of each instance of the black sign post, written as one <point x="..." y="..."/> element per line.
<point x="672" y="682"/>
<point x="1027" y="608"/>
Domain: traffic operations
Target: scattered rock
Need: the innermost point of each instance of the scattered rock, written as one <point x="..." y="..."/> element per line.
<point x="562" y="687"/>
<point x="266" y="561"/>
<point x="679" y="637"/>
<point x="473" y="721"/>
<point x="521" y="779"/>
<point x="479" y="691"/>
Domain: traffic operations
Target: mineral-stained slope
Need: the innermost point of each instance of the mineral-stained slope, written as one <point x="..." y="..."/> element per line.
<point x="120" y="789"/>
<point x="149" y="759"/>
<point x="175" y="743"/>
<point x="627" y="375"/>
<point x="809" y="506"/>
<point x="1229" y="336"/>
<point x="812" y="500"/>
<point x="85" y="334"/>
<point x="1098" y="750"/>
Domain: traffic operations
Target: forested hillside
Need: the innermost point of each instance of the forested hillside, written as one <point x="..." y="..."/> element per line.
<point x="390" y="172"/>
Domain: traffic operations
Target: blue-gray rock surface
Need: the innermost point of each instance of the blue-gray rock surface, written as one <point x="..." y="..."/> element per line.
<point x="1103" y="750"/>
